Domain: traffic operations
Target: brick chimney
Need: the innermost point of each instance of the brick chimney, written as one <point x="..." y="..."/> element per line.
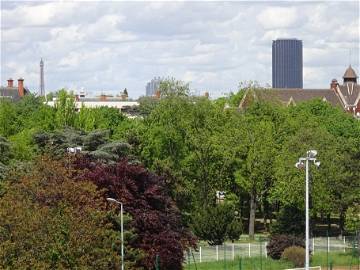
<point x="21" y="87"/>
<point x="333" y="85"/>
<point x="10" y="82"/>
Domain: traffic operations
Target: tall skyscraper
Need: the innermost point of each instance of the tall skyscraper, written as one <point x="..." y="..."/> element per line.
<point x="152" y="86"/>
<point x="42" y="84"/>
<point x="287" y="63"/>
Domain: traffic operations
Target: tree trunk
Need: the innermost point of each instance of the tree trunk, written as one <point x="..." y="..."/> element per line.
<point x="328" y="217"/>
<point x="252" y="216"/>
<point x="266" y="214"/>
<point x="342" y="220"/>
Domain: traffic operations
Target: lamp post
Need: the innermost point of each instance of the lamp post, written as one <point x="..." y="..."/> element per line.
<point x="310" y="156"/>
<point x="122" y="228"/>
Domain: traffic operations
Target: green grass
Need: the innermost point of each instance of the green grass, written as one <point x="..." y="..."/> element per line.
<point x="338" y="259"/>
<point x="256" y="263"/>
<point x="247" y="264"/>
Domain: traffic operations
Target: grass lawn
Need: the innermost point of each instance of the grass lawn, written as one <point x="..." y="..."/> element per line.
<point x="247" y="264"/>
<point x="338" y="259"/>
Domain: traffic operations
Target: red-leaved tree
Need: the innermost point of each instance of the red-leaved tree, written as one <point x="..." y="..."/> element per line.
<point x="155" y="217"/>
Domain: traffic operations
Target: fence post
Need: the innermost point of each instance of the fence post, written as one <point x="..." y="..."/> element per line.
<point x="233" y="251"/>
<point x="224" y="256"/>
<point x="328" y="244"/>
<point x="200" y="259"/>
<point x="240" y="264"/>
<point x="265" y="249"/>
<point x="261" y="257"/>
<point x="344" y="244"/>
<point x="249" y="250"/>
<point x="217" y="252"/>
<point x="188" y="252"/>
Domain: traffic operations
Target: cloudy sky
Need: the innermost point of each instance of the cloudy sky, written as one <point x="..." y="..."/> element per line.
<point x="107" y="46"/>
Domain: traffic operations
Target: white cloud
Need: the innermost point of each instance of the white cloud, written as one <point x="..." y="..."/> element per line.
<point x="215" y="45"/>
<point x="278" y="17"/>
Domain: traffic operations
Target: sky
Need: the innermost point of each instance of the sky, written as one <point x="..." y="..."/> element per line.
<point x="104" y="47"/>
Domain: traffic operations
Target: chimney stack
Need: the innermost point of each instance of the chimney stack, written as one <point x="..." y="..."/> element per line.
<point x="206" y="94"/>
<point x="10" y="82"/>
<point x="21" y="87"/>
<point x="333" y="85"/>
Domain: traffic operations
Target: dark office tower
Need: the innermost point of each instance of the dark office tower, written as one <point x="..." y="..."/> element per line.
<point x="287" y="63"/>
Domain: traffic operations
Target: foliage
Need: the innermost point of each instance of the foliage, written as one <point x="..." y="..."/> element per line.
<point x="234" y="229"/>
<point x="252" y="176"/>
<point x="65" y="109"/>
<point x="290" y="220"/>
<point x="353" y="219"/>
<point x="215" y="223"/>
<point x="294" y="254"/>
<point x="49" y="221"/>
<point x="173" y="88"/>
<point x="147" y="105"/>
<point x="278" y="243"/>
<point x="90" y="119"/>
<point x="22" y="145"/>
<point x="7" y="118"/>
<point x="156" y="219"/>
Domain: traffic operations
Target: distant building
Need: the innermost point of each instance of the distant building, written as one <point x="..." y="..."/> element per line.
<point x="120" y="102"/>
<point x="153" y="86"/>
<point x="14" y="92"/>
<point x="345" y="95"/>
<point x="287" y="63"/>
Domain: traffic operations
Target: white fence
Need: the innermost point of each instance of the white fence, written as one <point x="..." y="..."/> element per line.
<point x="230" y="251"/>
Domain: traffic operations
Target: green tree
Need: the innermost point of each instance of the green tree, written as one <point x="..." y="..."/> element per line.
<point x="173" y="88"/>
<point x="65" y="109"/>
<point x="255" y="175"/>
<point x="353" y="219"/>
<point x="7" y="118"/>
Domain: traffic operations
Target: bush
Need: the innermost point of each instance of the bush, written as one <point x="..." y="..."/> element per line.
<point x="234" y="230"/>
<point x="278" y="243"/>
<point x="211" y="223"/>
<point x="289" y="220"/>
<point x="294" y="254"/>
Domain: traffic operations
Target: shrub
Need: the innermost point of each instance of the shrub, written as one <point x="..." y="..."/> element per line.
<point x="234" y="230"/>
<point x="211" y="223"/>
<point x="289" y="220"/>
<point x="294" y="254"/>
<point x="278" y="243"/>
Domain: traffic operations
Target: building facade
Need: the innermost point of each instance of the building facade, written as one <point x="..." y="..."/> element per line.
<point x="345" y="94"/>
<point x="152" y="86"/>
<point x="287" y="63"/>
<point x="13" y="92"/>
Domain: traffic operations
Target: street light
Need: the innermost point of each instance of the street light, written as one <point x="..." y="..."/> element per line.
<point x="112" y="200"/>
<point x="310" y="156"/>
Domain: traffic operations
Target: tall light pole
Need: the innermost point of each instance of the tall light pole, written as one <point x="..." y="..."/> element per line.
<point x="122" y="228"/>
<point x="310" y="156"/>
